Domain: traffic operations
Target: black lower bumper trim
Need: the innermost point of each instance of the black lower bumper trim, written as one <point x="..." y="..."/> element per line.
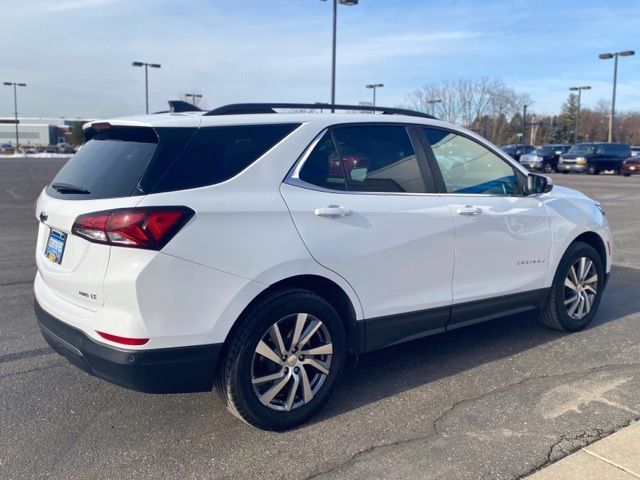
<point x="164" y="370"/>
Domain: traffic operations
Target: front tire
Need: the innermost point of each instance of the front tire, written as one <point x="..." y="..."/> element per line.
<point x="576" y="290"/>
<point x="548" y="168"/>
<point x="592" y="170"/>
<point x="283" y="360"/>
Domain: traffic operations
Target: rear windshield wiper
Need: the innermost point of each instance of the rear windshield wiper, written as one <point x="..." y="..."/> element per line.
<point x="68" y="188"/>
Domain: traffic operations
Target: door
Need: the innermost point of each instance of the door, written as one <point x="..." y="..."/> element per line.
<point x="362" y="206"/>
<point x="503" y="238"/>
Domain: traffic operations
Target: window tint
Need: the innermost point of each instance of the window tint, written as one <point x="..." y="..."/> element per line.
<point x="109" y="165"/>
<point x="468" y="167"/>
<point x="379" y="158"/>
<point x="218" y="153"/>
<point x="322" y="167"/>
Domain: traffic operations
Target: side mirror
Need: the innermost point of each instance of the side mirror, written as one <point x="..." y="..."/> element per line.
<point x="537" y="184"/>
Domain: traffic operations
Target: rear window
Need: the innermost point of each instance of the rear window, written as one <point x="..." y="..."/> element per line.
<point x="125" y="161"/>
<point x="108" y="165"/>
<point x="218" y="153"/>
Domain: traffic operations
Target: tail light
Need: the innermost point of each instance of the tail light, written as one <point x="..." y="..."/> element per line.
<point x="150" y="228"/>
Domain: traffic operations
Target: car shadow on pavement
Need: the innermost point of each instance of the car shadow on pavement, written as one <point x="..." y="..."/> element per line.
<point x="396" y="369"/>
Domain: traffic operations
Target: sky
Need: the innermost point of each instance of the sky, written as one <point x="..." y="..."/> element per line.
<point x="75" y="55"/>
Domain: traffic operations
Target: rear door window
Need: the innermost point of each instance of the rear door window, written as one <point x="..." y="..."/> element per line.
<point x="218" y="153"/>
<point x="108" y="165"/>
<point x="379" y="158"/>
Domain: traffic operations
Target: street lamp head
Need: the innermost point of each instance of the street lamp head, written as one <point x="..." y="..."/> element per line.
<point x="374" y="85"/>
<point x="155" y="65"/>
<point x="8" y="83"/>
<point x="348" y="2"/>
<point x="627" y="53"/>
<point x="573" y="88"/>
<point x="605" y="56"/>
<point x="22" y="84"/>
<point x="137" y="64"/>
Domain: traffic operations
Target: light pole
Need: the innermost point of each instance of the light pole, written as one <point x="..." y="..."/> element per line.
<point x="193" y="97"/>
<point x="374" y="86"/>
<point x="333" y="47"/>
<point x="579" y="90"/>
<point x="15" y="86"/>
<point x="146" y="78"/>
<point x="432" y="102"/>
<point x="607" y="56"/>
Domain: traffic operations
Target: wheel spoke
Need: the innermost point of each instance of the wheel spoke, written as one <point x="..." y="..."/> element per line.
<point x="267" y="352"/>
<point x="274" y="332"/>
<point x="592" y="279"/>
<point x="574" y="276"/>
<point x="307" y="394"/>
<point x="270" y="394"/>
<point x="580" y="311"/>
<point x="313" y="328"/>
<point x="318" y="365"/>
<point x="571" y="310"/>
<point x="588" y="300"/>
<point x="326" y="349"/>
<point x="292" y="393"/>
<point x="570" y="284"/>
<point x="267" y="378"/>
<point x="572" y="299"/>
<point x="591" y="289"/>
<point x="299" y="326"/>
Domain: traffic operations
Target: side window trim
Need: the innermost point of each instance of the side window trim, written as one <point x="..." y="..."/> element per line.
<point x="435" y="167"/>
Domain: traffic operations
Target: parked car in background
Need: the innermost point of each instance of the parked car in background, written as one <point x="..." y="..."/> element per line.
<point x="544" y="158"/>
<point x="594" y="158"/>
<point x="517" y="149"/>
<point x="51" y="149"/>
<point x="6" y="149"/>
<point x="29" y="150"/>
<point x="631" y="166"/>
<point x="635" y="151"/>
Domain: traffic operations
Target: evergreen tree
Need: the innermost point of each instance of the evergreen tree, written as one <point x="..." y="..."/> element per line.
<point x="77" y="135"/>
<point x="565" y="123"/>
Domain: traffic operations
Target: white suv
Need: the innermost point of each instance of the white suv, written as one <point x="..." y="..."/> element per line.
<point x="257" y="250"/>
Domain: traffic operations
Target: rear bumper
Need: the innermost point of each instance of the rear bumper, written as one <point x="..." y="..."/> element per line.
<point x="163" y="370"/>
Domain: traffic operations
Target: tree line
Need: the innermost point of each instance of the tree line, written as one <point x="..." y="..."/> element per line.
<point x="495" y="111"/>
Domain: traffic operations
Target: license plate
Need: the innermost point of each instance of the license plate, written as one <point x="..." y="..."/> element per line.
<point x="55" y="246"/>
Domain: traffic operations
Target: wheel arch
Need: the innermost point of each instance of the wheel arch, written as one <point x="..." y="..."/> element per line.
<point x="328" y="290"/>
<point x="595" y="240"/>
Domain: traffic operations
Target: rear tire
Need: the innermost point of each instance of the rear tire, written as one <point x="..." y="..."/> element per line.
<point x="269" y="376"/>
<point x="576" y="290"/>
<point x="626" y="174"/>
<point x="592" y="170"/>
<point x="548" y="168"/>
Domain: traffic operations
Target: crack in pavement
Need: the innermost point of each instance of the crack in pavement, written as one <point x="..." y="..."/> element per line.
<point x="586" y="437"/>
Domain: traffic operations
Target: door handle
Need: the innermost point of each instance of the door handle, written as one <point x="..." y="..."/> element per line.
<point x="469" y="210"/>
<point x="332" y="211"/>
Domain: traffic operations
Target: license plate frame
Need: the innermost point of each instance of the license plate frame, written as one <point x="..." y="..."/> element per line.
<point x="54" y="249"/>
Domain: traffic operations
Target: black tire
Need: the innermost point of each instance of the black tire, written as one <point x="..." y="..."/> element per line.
<point x="592" y="170"/>
<point x="234" y="379"/>
<point x="565" y="172"/>
<point x="554" y="313"/>
<point x="548" y="168"/>
<point x="626" y="174"/>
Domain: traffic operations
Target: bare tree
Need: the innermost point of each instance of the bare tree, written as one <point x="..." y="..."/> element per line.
<point x="484" y="105"/>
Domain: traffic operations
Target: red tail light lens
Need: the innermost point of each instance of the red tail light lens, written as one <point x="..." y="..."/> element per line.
<point x="123" y="340"/>
<point x="143" y="227"/>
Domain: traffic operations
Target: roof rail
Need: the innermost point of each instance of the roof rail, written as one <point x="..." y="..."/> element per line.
<point x="249" y="108"/>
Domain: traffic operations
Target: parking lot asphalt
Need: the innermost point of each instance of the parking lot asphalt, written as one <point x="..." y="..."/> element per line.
<point x="492" y="401"/>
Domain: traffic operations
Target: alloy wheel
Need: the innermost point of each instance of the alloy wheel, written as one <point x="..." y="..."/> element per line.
<point x="580" y="288"/>
<point x="291" y="362"/>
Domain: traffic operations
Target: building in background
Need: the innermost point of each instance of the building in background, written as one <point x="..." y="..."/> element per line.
<point x="38" y="131"/>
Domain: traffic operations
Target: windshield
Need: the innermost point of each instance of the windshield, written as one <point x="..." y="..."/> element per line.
<point x="544" y="150"/>
<point x="582" y="149"/>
